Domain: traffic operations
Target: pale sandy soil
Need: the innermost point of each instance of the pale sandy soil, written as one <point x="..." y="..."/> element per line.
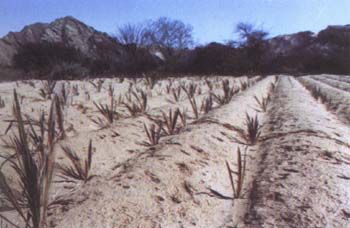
<point x="335" y="82"/>
<point x="339" y="100"/>
<point x="342" y="78"/>
<point x="305" y="156"/>
<point x="296" y="175"/>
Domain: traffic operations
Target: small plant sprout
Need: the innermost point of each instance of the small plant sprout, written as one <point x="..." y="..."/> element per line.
<point x="79" y="170"/>
<point x="194" y="107"/>
<point x="324" y="99"/>
<point x="153" y="134"/>
<point x="209" y="84"/>
<point x="207" y="104"/>
<point x="168" y="87"/>
<point x="319" y="95"/>
<point x="108" y="112"/>
<point x="169" y="122"/>
<point x="262" y="103"/>
<point x="228" y="91"/>
<point x="110" y="91"/>
<point x="2" y="102"/>
<point x="64" y="95"/>
<point x="87" y="95"/>
<point x="60" y="118"/>
<point x="47" y="89"/>
<point x="190" y="90"/>
<point x="183" y="118"/>
<point x="199" y="90"/>
<point x="75" y="90"/>
<point x="119" y="100"/>
<point x="251" y="134"/>
<point x="98" y="85"/>
<point x="130" y="87"/>
<point x="241" y="168"/>
<point x="176" y="92"/>
<point x="150" y="81"/>
<point x="244" y="85"/>
<point x="273" y="86"/>
<point x="138" y="105"/>
<point x="253" y="129"/>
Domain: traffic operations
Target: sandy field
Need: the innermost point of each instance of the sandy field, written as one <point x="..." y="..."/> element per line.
<point x="292" y="168"/>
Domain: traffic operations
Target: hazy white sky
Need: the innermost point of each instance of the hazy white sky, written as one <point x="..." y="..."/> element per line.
<point x="212" y="20"/>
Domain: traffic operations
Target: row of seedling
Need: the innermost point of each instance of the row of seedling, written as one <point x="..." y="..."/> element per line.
<point x="228" y="92"/>
<point x="248" y="136"/>
<point x="317" y="93"/>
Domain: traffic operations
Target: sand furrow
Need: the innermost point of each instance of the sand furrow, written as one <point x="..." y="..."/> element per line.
<point x="341" y="78"/>
<point x="169" y="186"/>
<point x="338" y="100"/>
<point x="333" y="82"/>
<point x="299" y="182"/>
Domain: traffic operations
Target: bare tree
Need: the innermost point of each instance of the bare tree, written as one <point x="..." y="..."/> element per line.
<point x="169" y="33"/>
<point x="163" y="32"/>
<point x="249" y="35"/>
<point x="131" y="34"/>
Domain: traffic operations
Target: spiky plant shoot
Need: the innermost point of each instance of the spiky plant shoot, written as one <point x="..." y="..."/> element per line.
<point x="262" y="103"/>
<point x="150" y="81"/>
<point x="209" y="84"/>
<point x="168" y="87"/>
<point x="253" y="127"/>
<point x="241" y="167"/>
<point x="48" y="89"/>
<point x="176" y="92"/>
<point x="228" y="93"/>
<point x="2" y="102"/>
<point x="183" y="118"/>
<point x="98" y="85"/>
<point x="251" y="133"/>
<point x="138" y="105"/>
<point x="60" y="118"/>
<point x="190" y="90"/>
<point x="153" y="134"/>
<point x="170" y="120"/>
<point x="194" y="107"/>
<point x="108" y="112"/>
<point x="244" y="85"/>
<point x="34" y="171"/>
<point x="78" y="170"/>
<point x="207" y="104"/>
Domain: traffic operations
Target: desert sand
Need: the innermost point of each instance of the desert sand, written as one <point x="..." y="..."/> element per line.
<point x="296" y="173"/>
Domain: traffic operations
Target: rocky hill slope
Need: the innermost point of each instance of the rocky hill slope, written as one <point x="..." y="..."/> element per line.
<point x="326" y="41"/>
<point x="66" y="30"/>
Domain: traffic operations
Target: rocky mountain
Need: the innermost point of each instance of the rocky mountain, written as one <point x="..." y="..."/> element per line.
<point x="285" y="44"/>
<point x="326" y="51"/>
<point x="67" y="30"/>
<point x="325" y="42"/>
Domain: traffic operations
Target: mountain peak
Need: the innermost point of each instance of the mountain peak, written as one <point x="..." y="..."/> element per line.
<point x="68" y="20"/>
<point x="66" y="30"/>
